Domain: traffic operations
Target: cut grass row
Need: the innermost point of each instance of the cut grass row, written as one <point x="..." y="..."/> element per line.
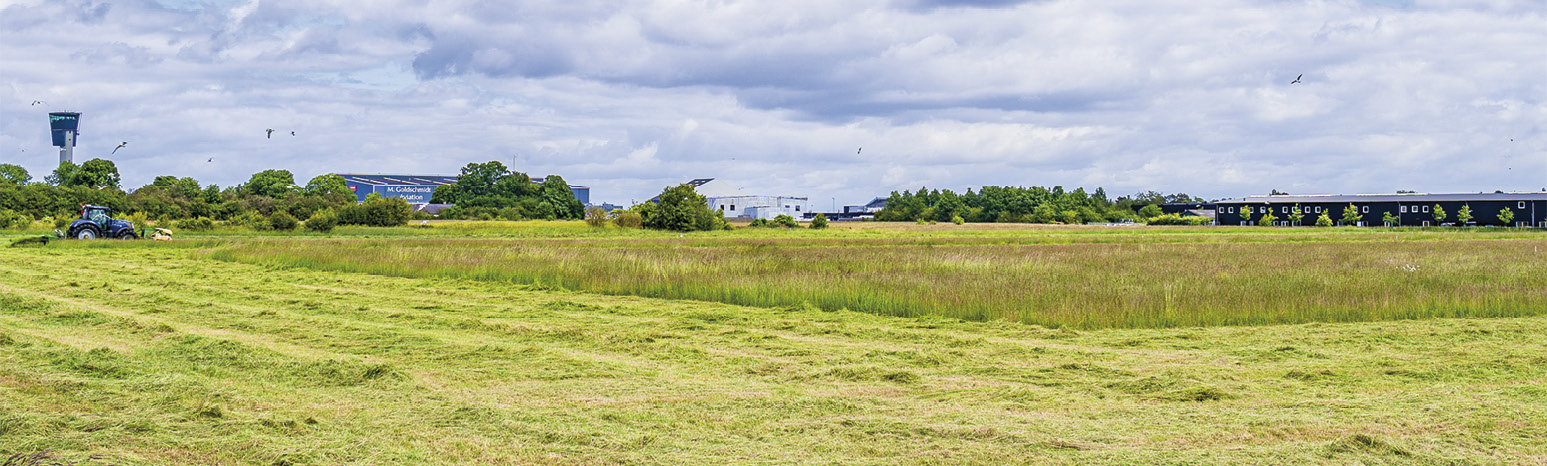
<point x="1083" y="278"/>
<point x="149" y="355"/>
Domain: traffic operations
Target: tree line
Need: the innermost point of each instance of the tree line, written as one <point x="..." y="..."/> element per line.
<point x="1007" y="204"/>
<point x="270" y="199"/>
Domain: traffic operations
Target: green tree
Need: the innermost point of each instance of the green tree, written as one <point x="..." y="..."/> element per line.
<point x="1267" y="218"/>
<point x="323" y="185"/>
<point x="786" y="221"/>
<point x="1324" y="220"/>
<point x="97" y="173"/>
<point x="1465" y="214"/>
<point x="1350" y="215"/>
<point x="1150" y="211"/>
<point x="14" y="175"/>
<point x="477" y="180"/>
<point x="680" y="208"/>
<point x="819" y="222"/>
<point x="1506" y="216"/>
<point x="271" y="183"/>
<point x="556" y="193"/>
<point x="1296" y="214"/>
<point x="1390" y="218"/>
<point x="1439" y="214"/>
<point x="64" y="175"/>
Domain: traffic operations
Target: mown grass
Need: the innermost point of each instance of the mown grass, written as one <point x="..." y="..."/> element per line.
<point x="1070" y="276"/>
<point x="151" y="355"/>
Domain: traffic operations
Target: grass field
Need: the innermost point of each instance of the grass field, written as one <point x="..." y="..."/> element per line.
<point x="153" y="353"/>
<point x="1079" y="277"/>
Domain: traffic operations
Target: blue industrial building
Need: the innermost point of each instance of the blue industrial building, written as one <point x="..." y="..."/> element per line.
<point x="418" y="189"/>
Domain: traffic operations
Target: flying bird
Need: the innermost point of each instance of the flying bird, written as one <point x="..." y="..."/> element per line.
<point x="120" y="146"/>
<point x="1297" y="79"/>
<point x="860" y="150"/>
<point x="292" y="133"/>
<point x="35" y="102"/>
<point x="270" y="133"/>
<point x="211" y="159"/>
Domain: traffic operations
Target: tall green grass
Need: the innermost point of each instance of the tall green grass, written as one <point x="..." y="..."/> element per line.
<point x="1107" y="281"/>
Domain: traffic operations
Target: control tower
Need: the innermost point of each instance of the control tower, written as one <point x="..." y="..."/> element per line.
<point x="64" y="126"/>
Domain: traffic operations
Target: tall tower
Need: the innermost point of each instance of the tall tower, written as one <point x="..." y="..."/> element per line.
<point x="64" y="126"/>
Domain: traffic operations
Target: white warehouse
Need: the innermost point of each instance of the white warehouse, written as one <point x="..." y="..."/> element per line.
<point x="738" y="205"/>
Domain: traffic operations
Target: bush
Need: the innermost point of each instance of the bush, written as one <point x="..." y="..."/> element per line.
<point x="1324" y="220"/>
<point x="785" y="221"/>
<point x="196" y="224"/>
<point x="595" y="217"/>
<point x="323" y="221"/>
<point x="958" y="220"/>
<point x="282" y="221"/>
<point x="820" y="221"/>
<point x="251" y="219"/>
<point x="627" y="219"/>
<point x="679" y="208"/>
<point x="1177" y="219"/>
<point x="9" y="219"/>
<point x="377" y="211"/>
<point x="759" y="223"/>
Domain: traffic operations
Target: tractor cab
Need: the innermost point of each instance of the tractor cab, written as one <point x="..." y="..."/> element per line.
<point x="97" y="222"/>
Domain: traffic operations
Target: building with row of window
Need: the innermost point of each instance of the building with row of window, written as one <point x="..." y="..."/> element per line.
<point x="1524" y="209"/>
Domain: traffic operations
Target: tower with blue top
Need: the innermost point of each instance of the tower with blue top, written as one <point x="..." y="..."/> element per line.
<point x="65" y="125"/>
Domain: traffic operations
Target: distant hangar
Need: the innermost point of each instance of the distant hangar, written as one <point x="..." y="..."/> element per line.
<point x="418" y="189"/>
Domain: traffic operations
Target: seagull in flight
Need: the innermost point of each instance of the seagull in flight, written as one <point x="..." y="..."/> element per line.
<point x="211" y="159"/>
<point x="292" y="133"/>
<point x="120" y="146"/>
<point x="270" y="133"/>
<point x="35" y="102"/>
<point x="1297" y="79"/>
<point x="860" y="150"/>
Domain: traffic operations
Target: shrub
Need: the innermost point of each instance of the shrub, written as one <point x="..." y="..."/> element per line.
<point x="627" y="219"/>
<point x="595" y="217"/>
<point x="785" y="221"/>
<point x="759" y="223"/>
<point x="251" y="219"/>
<point x="955" y="219"/>
<point x="1324" y="220"/>
<point x="323" y="221"/>
<point x="282" y="221"/>
<point x="9" y="219"/>
<point x="1178" y="219"/>
<point x="377" y="211"/>
<point x="1506" y="216"/>
<point x="196" y="224"/>
<point x="820" y="221"/>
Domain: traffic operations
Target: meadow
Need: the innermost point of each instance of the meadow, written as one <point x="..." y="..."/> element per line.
<point x="148" y="353"/>
<point x="1080" y="277"/>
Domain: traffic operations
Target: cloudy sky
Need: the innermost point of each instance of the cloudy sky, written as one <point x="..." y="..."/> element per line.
<point x="780" y="97"/>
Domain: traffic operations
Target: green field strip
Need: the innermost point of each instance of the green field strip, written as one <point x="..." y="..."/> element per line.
<point x="728" y="384"/>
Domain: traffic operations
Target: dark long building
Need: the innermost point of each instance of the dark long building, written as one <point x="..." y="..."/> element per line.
<point x="1528" y="209"/>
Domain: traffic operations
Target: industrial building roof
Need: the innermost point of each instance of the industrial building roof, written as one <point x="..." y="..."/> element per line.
<point x="399" y="180"/>
<point x="1406" y="197"/>
<point x="412" y="180"/>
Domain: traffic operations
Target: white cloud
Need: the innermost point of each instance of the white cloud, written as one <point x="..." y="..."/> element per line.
<point x="778" y="96"/>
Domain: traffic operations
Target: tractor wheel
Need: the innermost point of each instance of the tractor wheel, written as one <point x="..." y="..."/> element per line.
<point x="86" y="233"/>
<point x="128" y="235"/>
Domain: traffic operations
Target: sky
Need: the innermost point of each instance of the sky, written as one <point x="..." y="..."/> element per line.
<point x="838" y="101"/>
